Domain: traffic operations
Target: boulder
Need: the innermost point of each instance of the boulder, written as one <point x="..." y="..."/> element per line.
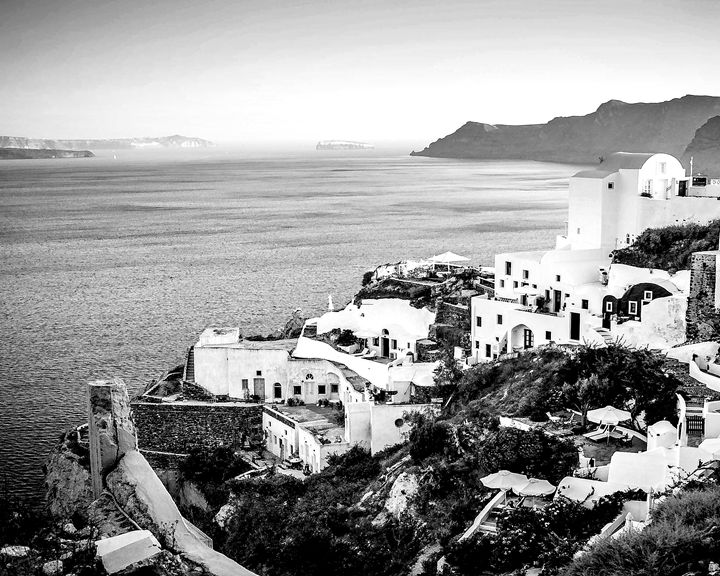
<point x="403" y="490"/>
<point x="52" y="568"/>
<point x="67" y="482"/>
<point x="14" y="552"/>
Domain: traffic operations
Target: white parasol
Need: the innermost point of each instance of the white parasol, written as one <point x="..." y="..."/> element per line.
<point x="608" y="415"/>
<point x="535" y="487"/>
<point x="504" y="480"/>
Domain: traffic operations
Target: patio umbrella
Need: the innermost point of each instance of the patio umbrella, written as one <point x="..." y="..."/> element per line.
<point x="504" y="480"/>
<point x="608" y="415"/>
<point x="447" y="258"/>
<point x="535" y="487"/>
<point x="712" y="446"/>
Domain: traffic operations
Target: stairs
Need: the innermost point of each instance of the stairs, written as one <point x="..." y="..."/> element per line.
<point x="605" y="335"/>
<point x="189" y="375"/>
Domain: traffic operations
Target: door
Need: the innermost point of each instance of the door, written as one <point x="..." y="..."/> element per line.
<point x="259" y="387"/>
<point x="385" y="349"/>
<point x="682" y="188"/>
<point x="606" y="320"/>
<point x="557" y="299"/>
<point x="574" y="326"/>
<point x="528" y="339"/>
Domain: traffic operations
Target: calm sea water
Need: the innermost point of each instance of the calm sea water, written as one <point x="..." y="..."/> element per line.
<point x="111" y="267"/>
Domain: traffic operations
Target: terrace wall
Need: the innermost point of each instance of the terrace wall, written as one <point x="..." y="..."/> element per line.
<point x="703" y="319"/>
<point x="175" y="427"/>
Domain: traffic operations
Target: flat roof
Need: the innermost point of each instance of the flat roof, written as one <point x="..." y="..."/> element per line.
<point x="615" y="162"/>
<point x="287" y="344"/>
<point x="356" y="381"/>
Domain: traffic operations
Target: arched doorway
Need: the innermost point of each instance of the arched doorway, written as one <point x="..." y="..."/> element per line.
<point x="521" y="338"/>
<point x="277" y="391"/>
<point x="385" y="344"/>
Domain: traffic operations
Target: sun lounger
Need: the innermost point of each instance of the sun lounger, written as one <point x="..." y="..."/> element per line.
<point x="553" y="418"/>
<point x="371" y="354"/>
<point x="363" y="352"/>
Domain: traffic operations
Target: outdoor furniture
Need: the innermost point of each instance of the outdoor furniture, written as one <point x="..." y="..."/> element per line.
<point x="553" y="418"/>
<point x="363" y="352"/>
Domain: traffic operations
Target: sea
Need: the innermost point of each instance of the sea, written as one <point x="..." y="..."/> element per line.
<point x="112" y="266"/>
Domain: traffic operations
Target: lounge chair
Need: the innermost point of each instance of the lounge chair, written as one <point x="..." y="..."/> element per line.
<point x="363" y="352"/>
<point x="371" y="354"/>
<point x="553" y="418"/>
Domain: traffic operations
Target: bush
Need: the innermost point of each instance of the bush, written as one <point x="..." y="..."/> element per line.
<point x="531" y="452"/>
<point x="428" y="436"/>
<point x="212" y="465"/>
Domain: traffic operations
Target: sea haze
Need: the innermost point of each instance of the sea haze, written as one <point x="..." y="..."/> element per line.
<point x="112" y="266"/>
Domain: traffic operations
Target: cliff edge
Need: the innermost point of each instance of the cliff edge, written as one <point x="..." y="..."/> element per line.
<point x="705" y="149"/>
<point x="639" y="127"/>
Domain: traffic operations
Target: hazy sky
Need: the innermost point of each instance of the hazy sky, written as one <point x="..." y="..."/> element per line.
<point x="273" y="70"/>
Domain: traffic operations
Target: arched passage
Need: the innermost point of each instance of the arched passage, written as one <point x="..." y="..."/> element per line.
<point x="521" y="338"/>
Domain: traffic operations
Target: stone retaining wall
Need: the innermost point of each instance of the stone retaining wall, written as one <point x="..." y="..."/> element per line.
<point x="176" y="427"/>
<point x="703" y="319"/>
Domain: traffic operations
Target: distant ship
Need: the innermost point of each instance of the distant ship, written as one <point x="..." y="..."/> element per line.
<point x="342" y="145"/>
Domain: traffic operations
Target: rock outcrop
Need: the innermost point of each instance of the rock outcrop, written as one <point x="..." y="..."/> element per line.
<point x="35" y="154"/>
<point x="67" y="479"/>
<point x="615" y="125"/>
<point x="174" y="141"/>
<point x="705" y="149"/>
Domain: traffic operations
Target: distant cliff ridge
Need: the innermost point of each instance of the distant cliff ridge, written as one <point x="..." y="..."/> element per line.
<point x="34" y="153"/>
<point x="705" y="149"/>
<point x="175" y="141"/>
<point x="615" y="125"/>
<point x="342" y="145"/>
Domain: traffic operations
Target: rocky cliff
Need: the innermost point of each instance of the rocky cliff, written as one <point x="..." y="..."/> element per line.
<point x="705" y="149"/>
<point x="174" y="141"/>
<point x="34" y="153"/>
<point x="615" y="125"/>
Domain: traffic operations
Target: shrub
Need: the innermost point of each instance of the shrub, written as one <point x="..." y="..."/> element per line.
<point x="212" y="465"/>
<point x="428" y="436"/>
<point x="529" y="452"/>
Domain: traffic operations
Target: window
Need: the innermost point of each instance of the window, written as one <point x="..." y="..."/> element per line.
<point x="502" y="283"/>
<point x="557" y="278"/>
<point x="608" y="306"/>
<point x="578" y="230"/>
<point x="499" y="318"/>
<point x="515" y="284"/>
<point x="478" y="321"/>
<point x="662" y="166"/>
<point x="508" y="268"/>
<point x="297" y="390"/>
<point x="334" y="388"/>
<point x="393" y="344"/>
<point x="258" y="373"/>
<point x="321" y="388"/>
<point x="548" y="335"/>
<point x="278" y="389"/>
<point x="584" y="304"/>
<point x="477" y="344"/>
<point x="308" y="376"/>
<point x="632" y="308"/>
<point x="611" y="185"/>
<point x="488" y="350"/>
<point x="534" y="286"/>
<point x="244" y="383"/>
<point x="399" y="422"/>
<point x="647" y="295"/>
<point x="647" y="188"/>
<point x="408" y="345"/>
<point x="526" y="274"/>
<point x="376" y="341"/>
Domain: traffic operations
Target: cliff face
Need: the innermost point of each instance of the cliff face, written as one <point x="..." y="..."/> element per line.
<point x="705" y="149"/>
<point x="615" y="125"/>
<point x="174" y="141"/>
<point x="34" y="154"/>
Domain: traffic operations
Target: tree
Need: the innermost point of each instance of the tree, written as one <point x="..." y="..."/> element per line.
<point x="531" y="452"/>
<point x="585" y="394"/>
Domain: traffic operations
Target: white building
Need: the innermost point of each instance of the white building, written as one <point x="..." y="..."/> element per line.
<point x="629" y="192"/>
<point x="391" y="327"/>
<point x="572" y="294"/>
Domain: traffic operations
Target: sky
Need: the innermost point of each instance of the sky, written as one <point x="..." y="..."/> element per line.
<point x="263" y="71"/>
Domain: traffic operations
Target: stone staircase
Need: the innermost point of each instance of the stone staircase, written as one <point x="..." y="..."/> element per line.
<point x="189" y="375"/>
<point x="605" y="335"/>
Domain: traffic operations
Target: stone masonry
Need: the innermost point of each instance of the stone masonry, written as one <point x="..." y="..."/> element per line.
<point x="703" y="319"/>
<point x="176" y="427"/>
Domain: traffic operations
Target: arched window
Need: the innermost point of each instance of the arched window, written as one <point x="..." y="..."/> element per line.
<point x="385" y="332"/>
<point x="308" y="376"/>
<point x="278" y="389"/>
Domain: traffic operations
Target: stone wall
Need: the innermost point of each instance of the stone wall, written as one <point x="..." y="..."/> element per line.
<point x="176" y="427"/>
<point x="456" y="315"/>
<point x="703" y="319"/>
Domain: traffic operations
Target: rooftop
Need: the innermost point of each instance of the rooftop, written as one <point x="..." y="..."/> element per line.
<point x="319" y="420"/>
<point x="288" y="345"/>
<point x="615" y="162"/>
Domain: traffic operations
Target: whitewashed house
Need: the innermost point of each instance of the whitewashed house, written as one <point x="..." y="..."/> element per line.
<point x="572" y="294"/>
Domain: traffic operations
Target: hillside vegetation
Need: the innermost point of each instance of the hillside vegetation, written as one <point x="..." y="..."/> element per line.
<point x="348" y="519"/>
<point x="669" y="248"/>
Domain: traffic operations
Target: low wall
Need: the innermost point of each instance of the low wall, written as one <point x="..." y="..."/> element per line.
<point x="177" y="427"/>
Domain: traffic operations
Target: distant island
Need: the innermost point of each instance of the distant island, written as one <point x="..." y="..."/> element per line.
<point x="640" y="127"/>
<point x="342" y="145"/>
<point x="174" y="141"/>
<point x="38" y="153"/>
